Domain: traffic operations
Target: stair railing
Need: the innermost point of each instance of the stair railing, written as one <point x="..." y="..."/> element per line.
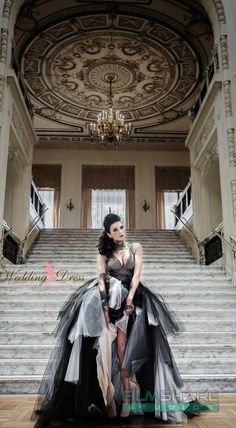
<point x="20" y="258"/>
<point x="199" y="243"/>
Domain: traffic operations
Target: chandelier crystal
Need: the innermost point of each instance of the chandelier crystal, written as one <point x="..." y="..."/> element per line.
<point x="110" y="127"/>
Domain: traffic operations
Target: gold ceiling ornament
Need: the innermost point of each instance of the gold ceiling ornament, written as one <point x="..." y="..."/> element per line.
<point x="110" y="127"/>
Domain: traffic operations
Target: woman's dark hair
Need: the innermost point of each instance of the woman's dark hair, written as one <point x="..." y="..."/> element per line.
<point x="106" y="245"/>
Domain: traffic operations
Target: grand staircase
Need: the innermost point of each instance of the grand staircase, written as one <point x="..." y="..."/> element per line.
<point x="61" y="260"/>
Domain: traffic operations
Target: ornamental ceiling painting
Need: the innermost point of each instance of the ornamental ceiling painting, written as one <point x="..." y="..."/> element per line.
<point x="155" y="51"/>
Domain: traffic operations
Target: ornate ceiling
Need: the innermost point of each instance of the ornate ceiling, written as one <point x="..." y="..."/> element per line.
<point x="155" y="52"/>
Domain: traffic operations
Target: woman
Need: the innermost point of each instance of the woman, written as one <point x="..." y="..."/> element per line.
<point x="112" y="357"/>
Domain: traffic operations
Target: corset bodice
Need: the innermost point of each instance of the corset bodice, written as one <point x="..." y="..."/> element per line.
<point x="124" y="272"/>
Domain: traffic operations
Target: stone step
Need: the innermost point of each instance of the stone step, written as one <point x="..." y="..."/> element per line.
<point x="172" y="246"/>
<point x="46" y="296"/>
<point x="35" y="351"/>
<point x="204" y="325"/>
<point x="65" y="258"/>
<point x="89" y="255"/>
<point x="193" y="313"/>
<point x="158" y="287"/>
<point x="11" y="305"/>
<point x="93" y="240"/>
<point x="194" y="384"/>
<point x="17" y="273"/>
<point x="21" y="337"/>
<point x="148" y="272"/>
<point x="157" y="255"/>
<point x="36" y="366"/>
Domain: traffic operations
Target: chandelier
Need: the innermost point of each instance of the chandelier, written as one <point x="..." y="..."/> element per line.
<point x="110" y="127"/>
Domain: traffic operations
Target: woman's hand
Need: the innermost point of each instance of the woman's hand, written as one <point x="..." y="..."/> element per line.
<point x="106" y="314"/>
<point x="129" y="307"/>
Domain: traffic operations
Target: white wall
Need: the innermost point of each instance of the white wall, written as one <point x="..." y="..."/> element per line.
<point x="144" y="162"/>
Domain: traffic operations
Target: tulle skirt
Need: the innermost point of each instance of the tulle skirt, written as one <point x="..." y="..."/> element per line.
<point x="83" y="370"/>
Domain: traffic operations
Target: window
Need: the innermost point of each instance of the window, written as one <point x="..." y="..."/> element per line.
<point x="170" y="199"/>
<point x="105" y="201"/>
<point x="47" y="196"/>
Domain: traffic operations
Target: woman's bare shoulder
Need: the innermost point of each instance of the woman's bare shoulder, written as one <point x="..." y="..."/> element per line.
<point x="137" y="246"/>
<point x="101" y="257"/>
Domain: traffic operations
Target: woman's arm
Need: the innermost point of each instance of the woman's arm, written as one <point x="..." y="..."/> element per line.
<point x="138" y="251"/>
<point x="101" y="272"/>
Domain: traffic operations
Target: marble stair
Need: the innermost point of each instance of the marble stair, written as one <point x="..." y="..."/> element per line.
<point x="61" y="260"/>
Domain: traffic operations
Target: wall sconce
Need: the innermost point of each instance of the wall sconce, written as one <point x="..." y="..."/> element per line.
<point x="145" y="206"/>
<point x="70" y="206"/>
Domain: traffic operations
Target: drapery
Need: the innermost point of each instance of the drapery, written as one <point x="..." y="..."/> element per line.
<point x="86" y="208"/>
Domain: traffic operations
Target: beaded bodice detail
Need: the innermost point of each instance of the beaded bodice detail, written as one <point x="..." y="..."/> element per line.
<point x="124" y="272"/>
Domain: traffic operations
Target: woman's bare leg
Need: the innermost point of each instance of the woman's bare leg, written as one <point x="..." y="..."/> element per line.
<point x="121" y="345"/>
<point x="111" y="409"/>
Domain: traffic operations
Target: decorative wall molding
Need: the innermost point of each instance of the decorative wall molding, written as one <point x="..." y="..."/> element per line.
<point x="20" y="132"/>
<point x="220" y="11"/>
<point x="14" y="154"/>
<point x="228" y="101"/>
<point x="2" y="82"/>
<point x="3" y="45"/>
<point x="210" y="157"/>
<point x="233" y="193"/>
<point x="231" y="146"/>
<point x="7" y="8"/>
<point x="224" y="52"/>
<point x="206" y="130"/>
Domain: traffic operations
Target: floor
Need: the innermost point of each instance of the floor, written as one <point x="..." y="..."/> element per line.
<point x="15" y="411"/>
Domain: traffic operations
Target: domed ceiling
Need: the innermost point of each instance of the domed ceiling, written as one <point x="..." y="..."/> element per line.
<point x="154" y="52"/>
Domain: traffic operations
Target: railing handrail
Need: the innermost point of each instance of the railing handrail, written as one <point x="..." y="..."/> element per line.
<point x="22" y="243"/>
<point x="226" y="242"/>
<point x="4" y="235"/>
<point x="183" y="193"/>
<point x="37" y="192"/>
<point x="34" y="224"/>
<point x="186" y="226"/>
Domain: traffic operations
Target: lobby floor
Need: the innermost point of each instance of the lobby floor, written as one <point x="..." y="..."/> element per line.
<point x="15" y="411"/>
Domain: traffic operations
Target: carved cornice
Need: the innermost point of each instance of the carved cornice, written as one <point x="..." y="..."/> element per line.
<point x="2" y="82"/>
<point x="224" y="52"/>
<point x="231" y="147"/>
<point x="7" y="8"/>
<point x="220" y="11"/>
<point x="228" y="101"/>
<point x="233" y="193"/>
<point x="3" y="45"/>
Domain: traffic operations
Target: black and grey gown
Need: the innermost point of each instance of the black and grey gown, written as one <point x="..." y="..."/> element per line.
<point x="83" y="371"/>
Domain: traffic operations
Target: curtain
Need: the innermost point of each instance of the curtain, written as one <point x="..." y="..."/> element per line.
<point x="56" y="208"/>
<point x="130" y="209"/>
<point x="86" y="208"/>
<point x="160" y="211"/>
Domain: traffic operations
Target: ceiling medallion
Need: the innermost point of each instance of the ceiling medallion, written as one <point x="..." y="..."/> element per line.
<point x="110" y="127"/>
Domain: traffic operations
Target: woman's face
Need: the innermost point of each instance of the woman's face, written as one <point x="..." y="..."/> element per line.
<point x="117" y="231"/>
